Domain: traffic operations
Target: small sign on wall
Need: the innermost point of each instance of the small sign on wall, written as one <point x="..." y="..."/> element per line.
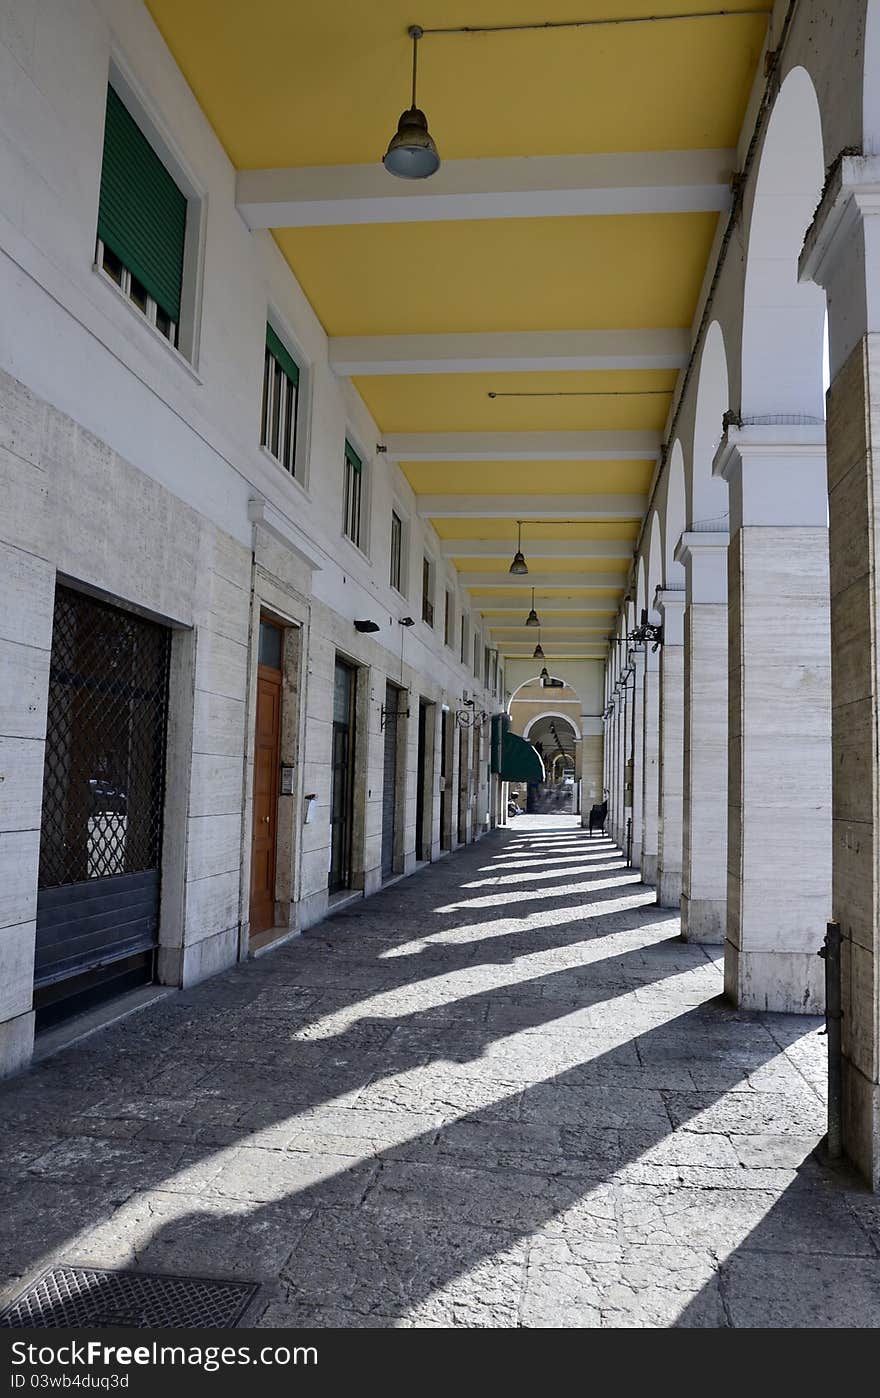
<point x="287" y="780"/>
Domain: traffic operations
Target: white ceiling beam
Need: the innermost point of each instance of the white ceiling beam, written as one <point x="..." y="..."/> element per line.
<point x="523" y="446"/>
<point x="560" y="624"/>
<point x="538" y="548"/>
<point x="594" y="608"/>
<point x="505" y="582"/>
<point x="531" y="507"/>
<point x="629" y="182"/>
<point x="508" y="352"/>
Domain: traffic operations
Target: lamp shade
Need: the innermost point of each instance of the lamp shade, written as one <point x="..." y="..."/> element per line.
<point x="533" y="619"/>
<point x="538" y="652"/>
<point x="519" y="565"/>
<point x="411" y="154"/>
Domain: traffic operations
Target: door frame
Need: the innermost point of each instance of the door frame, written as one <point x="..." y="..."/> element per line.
<point x="285" y="608"/>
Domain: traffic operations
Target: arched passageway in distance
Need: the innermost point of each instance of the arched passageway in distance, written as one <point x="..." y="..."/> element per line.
<point x="574" y="689"/>
<point x="557" y="739"/>
<point x="773" y="459"/>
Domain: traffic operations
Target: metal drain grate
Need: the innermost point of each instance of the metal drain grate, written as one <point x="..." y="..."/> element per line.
<point x="95" y="1297"/>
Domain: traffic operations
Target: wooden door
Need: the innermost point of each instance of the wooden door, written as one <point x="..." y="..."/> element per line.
<point x="266" y="773"/>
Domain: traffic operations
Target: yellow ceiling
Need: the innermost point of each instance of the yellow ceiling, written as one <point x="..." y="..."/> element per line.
<point x="547" y="529"/>
<point x="622" y="271"/>
<point x="524" y="477"/>
<point x="295" y="82"/>
<point x="633" y="400"/>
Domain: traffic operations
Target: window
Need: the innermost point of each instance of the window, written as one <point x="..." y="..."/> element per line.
<point x="487" y="665"/>
<point x="396" y="551"/>
<point x="449" y="620"/>
<point x="352" y="494"/>
<point x="477" y="656"/>
<point x="427" y="604"/>
<point x="141" y="222"/>
<point x="280" y="396"/>
<point x="464" y="640"/>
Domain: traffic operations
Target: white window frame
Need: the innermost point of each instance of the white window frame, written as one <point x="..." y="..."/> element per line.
<point x="288" y="440"/>
<point x="398" y="582"/>
<point x="428" y="591"/>
<point x="362" y="544"/>
<point x="150" y="311"/>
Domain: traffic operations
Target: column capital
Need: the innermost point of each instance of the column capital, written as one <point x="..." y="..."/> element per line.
<point x="841" y="253"/>
<point x="705" y="563"/>
<point x="670" y="602"/>
<point x="852" y="193"/>
<point x="776" y="473"/>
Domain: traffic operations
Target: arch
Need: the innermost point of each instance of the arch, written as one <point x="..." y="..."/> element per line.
<point x="655" y="567"/>
<point x="556" y="715"/>
<point x="783" y="318"/>
<point x="641" y="586"/>
<point x="708" y="495"/>
<point x="676" y="517"/>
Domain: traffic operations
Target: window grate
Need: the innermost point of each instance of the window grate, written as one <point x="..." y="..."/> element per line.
<point x="103" y="782"/>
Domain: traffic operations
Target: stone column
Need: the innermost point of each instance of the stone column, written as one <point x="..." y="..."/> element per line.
<point x="614" y="782"/>
<point x="842" y="254"/>
<point x="670" y="604"/>
<point x="779" y="770"/>
<point x="623" y="752"/>
<point x="704" y="795"/>
<point x="650" y="763"/>
<point x="637" y="751"/>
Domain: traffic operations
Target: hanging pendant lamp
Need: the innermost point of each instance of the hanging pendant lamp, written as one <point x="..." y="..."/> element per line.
<point x="533" y="619"/>
<point x="411" y="153"/>
<point x="538" y="652"/>
<point x="519" y="565"/>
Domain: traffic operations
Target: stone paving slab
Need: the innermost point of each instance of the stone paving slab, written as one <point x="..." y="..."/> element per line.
<point x="502" y="1093"/>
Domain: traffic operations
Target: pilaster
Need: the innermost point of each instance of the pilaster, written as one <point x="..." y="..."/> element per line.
<point x="650" y="763"/>
<point x="779" y="792"/>
<point x="670" y="603"/>
<point x="842" y="253"/>
<point x="704" y="796"/>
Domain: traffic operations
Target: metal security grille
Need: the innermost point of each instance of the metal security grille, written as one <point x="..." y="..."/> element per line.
<point x="105" y="742"/>
<point x="103" y="789"/>
<point x="88" y="1297"/>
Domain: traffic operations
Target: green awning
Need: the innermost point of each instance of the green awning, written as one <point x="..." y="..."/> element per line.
<point x="520" y="762"/>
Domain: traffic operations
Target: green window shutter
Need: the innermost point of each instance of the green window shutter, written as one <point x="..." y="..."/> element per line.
<point x="352" y="457"/>
<point x="520" y="762"/>
<point x="142" y="213"/>
<point x="282" y="355"/>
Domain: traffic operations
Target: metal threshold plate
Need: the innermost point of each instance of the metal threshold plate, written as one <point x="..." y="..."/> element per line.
<point x="96" y="1297"/>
